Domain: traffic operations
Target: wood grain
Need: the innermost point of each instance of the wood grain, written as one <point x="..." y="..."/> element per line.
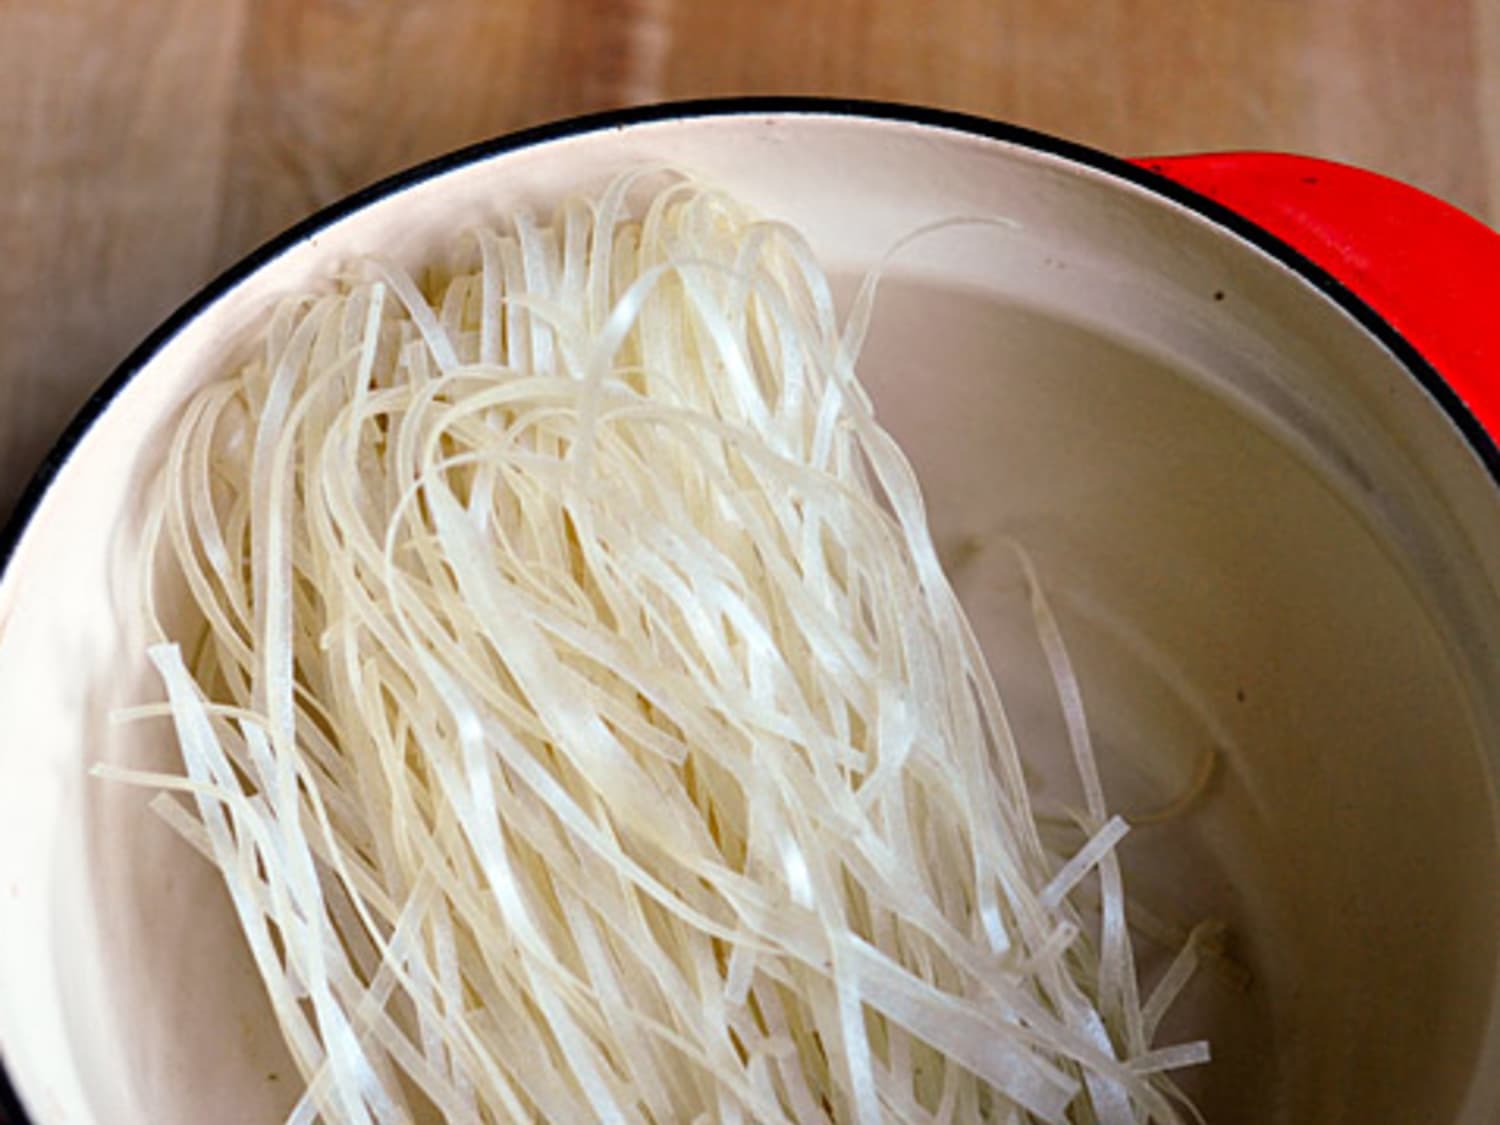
<point x="149" y="143"/>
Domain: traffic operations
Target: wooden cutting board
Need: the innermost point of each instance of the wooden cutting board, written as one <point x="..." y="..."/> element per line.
<point x="147" y="144"/>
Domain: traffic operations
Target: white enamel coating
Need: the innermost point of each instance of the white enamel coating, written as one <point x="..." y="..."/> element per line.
<point x="1263" y="538"/>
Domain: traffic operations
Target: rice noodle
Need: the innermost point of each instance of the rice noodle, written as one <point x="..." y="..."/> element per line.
<point x="584" y="727"/>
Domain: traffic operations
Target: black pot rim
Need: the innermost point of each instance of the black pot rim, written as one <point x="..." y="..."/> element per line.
<point x="1480" y="441"/>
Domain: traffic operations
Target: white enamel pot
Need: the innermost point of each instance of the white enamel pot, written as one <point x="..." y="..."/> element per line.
<point x="1267" y="507"/>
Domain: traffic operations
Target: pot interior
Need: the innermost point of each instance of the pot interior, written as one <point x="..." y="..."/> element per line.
<point x="1274" y="561"/>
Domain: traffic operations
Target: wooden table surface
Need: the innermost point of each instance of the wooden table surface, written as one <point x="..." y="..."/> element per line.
<point x="147" y="144"/>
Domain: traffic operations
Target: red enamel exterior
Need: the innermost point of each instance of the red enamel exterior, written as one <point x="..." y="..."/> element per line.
<point x="1432" y="271"/>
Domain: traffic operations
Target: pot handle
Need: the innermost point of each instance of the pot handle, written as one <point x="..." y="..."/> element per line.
<point x="1429" y="269"/>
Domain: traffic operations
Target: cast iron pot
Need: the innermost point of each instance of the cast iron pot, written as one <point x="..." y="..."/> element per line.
<point x="1235" y="406"/>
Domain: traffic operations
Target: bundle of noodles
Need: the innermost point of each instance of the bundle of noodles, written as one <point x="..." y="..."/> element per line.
<point x="584" y="727"/>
